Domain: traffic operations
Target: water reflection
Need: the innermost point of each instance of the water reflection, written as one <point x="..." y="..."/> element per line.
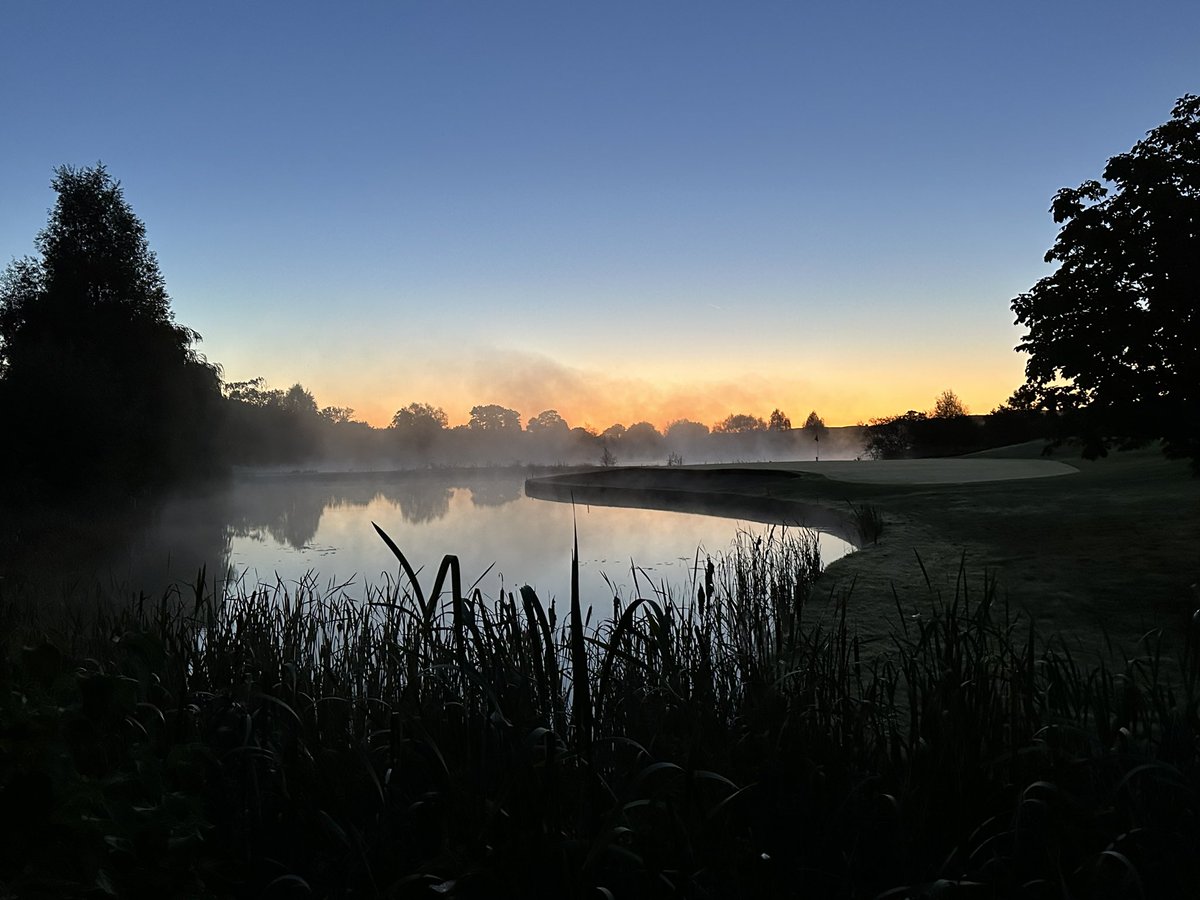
<point x="285" y="528"/>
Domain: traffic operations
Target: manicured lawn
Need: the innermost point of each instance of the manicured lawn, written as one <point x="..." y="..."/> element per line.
<point x="1109" y="553"/>
<point x="1112" y="550"/>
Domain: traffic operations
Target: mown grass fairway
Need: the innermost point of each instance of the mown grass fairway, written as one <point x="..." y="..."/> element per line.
<point x="1108" y="553"/>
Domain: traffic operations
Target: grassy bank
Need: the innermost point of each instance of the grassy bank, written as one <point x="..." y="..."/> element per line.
<point x="735" y="739"/>
<point x="1102" y="556"/>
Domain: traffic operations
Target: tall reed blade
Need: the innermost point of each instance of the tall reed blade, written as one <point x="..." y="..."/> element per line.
<point x="581" y="699"/>
<point x="624" y="624"/>
<point x="427" y="609"/>
<point x="545" y="665"/>
<point x="450" y="565"/>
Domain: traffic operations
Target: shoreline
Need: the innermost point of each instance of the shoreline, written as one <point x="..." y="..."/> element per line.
<point x="1069" y="552"/>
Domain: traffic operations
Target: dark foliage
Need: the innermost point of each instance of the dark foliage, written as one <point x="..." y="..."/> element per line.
<point x="1114" y="334"/>
<point x="739" y="746"/>
<point x="98" y="384"/>
<point x="266" y="427"/>
<point x="915" y="434"/>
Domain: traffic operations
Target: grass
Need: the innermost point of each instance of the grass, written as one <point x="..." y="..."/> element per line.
<point x="736" y="736"/>
<point x="1102" y="556"/>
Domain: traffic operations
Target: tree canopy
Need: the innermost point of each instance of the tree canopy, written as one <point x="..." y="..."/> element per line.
<point x="1113" y="335"/>
<point x="492" y="417"/>
<point x="547" y="422"/>
<point x="736" y="423"/>
<point x="686" y="430"/>
<point x="948" y="406"/>
<point x="420" y="417"/>
<point x="95" y="375"/>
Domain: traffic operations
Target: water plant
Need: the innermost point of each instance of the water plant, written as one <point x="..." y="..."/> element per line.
<point x="731" y="737"/>
<point x="868" y="522"/>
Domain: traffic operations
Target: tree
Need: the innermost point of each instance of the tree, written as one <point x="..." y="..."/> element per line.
<point x="682" y="430"/>
<point x="641" y="440"/>
<point x="1113" y="335"/>
<point x="891" y="437"/>
<point x="738" y="423"/>
<point x="299" y="401"/>
<point x="494" y="418"/>
<point x="418" y="425"/>
<point x="779" y="421"/>
<point x="948" y="406"/>
<point x="103" y="386"/>
<point x="252" y="393"/>
<point x="337" y="415"/>
<point x="547" y="422"/>
<point x="420" y="416"/>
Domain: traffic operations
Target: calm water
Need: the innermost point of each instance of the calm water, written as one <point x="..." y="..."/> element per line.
<point x="286" y="528"/>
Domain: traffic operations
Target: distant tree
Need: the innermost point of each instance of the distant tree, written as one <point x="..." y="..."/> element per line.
<point x="1017" y="420"/>
<point x="299" y="401"/>
<point x="948" y="406"/>
<point x="337" y="415"/>
<point x="606" y="456"/>
<point x="685" y="430"/>
<point x="891" y="437"/>
<point x="252" y="393"/>
<point x="1113" y="335"/>
<point x="420" y="416"/>
<point x="547" y="422"/>
<point x="613" y="432"/>
<point x="919" y="434"/>
<point x="419" y="425"/>
<point x="494" y="418"/>
<point x="779" y="421"/>
<point x="641" y="440"/>
<point x="96" y="378"/>
<point x="739" y="423"/>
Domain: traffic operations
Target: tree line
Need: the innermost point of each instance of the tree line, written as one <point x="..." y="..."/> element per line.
<point x="100" y="387"/>
<point x="267" y="426"/>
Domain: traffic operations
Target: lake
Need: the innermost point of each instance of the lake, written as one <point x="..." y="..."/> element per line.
<point x="268" y="529"/>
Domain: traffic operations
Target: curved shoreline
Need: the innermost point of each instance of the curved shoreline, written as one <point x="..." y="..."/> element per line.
<point x="732" y="493"/>
<point x="1109" y="551"/>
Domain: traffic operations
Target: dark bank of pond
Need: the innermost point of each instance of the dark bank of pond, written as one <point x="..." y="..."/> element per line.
<point x="316" y="527"/>
<point x="748" y="495"/>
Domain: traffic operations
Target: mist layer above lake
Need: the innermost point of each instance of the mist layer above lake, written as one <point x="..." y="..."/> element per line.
<point x="285" y="528"/>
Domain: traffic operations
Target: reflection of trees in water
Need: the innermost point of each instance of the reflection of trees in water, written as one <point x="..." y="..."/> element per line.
<point x="495" y="492"/>
<point x="147" y="547"/>
<point x="420" y="499"/>
<point x="287" y="509"/>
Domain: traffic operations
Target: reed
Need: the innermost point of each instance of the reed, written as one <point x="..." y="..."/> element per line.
<point x="729" y="737"/>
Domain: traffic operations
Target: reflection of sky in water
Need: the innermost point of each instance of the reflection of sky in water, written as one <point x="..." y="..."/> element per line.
<point x="528" y="541"/>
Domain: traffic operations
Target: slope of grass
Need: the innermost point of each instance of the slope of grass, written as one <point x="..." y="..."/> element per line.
<point x="1103" y="555"/>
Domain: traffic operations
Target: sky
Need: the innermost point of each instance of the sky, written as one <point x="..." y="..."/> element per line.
<point x="620" y="210"/>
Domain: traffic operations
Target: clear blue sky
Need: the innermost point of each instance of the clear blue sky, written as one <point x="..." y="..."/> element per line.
<point x="622" y="209"/>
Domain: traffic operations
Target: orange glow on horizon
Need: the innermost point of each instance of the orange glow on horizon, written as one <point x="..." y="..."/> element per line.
<point x="835" y="410"/>
<point x="599" y="397"/>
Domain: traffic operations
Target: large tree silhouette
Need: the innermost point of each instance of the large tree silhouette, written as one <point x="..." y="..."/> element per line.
<point x="1114" y="334"/>
<point x="98" y="384"/>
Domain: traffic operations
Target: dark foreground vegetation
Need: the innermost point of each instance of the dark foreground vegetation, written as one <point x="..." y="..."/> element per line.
<point x="721" y="741"/>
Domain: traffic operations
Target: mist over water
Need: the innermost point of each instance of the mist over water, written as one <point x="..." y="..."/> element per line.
<point x="317" y="528"/>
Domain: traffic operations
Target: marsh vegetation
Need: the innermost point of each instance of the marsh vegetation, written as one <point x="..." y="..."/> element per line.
<point x="727" y="737"/>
